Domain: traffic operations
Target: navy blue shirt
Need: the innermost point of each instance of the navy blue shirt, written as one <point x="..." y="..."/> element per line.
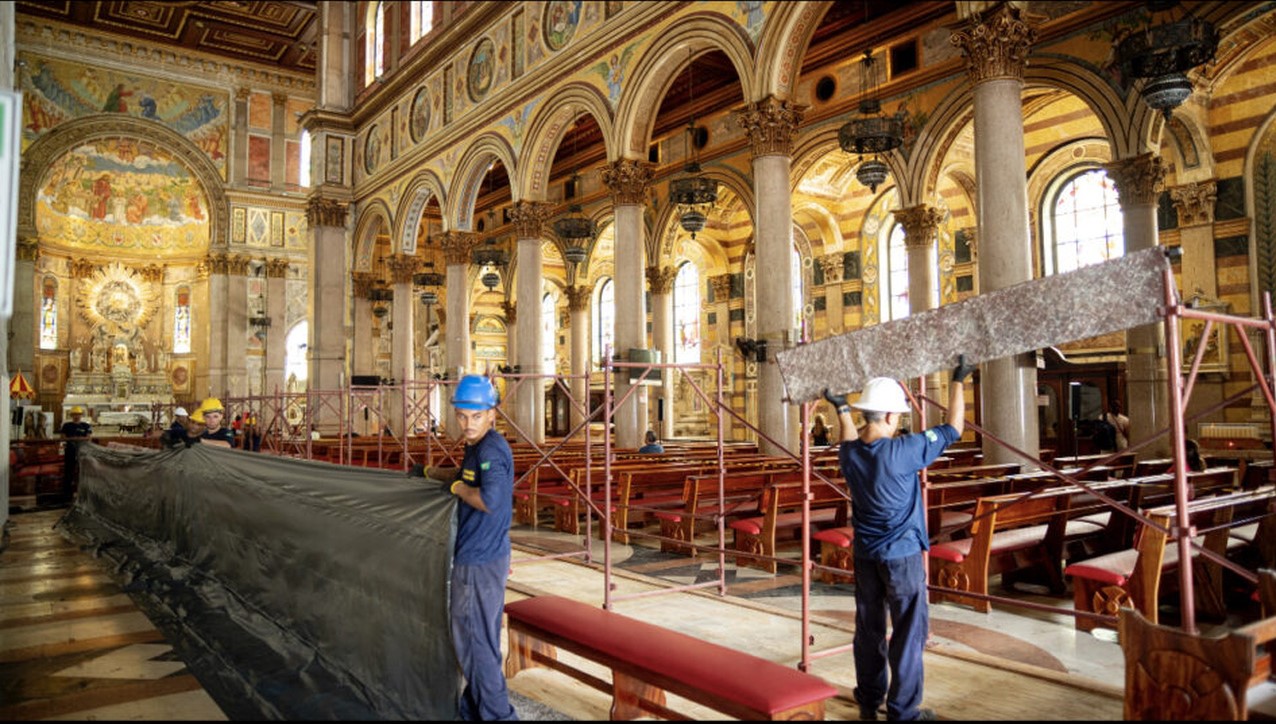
<point x="223" y="433"/>
<point x="652" y="447"/>
<point x="489" y="466"/>
<point x="886" y="496"/>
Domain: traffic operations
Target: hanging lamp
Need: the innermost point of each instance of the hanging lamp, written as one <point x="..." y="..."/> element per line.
<point x="873" y="133"/>
<point x="1161" y="55"/>
<point x="575" y="230"/>
<point x="692" y="192"/>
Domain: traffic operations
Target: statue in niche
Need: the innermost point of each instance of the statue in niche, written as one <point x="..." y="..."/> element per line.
<point x="99" y="358"/>
<point x="142" y="366"/>
<point x="75" y="358"/>
<point x="119" y="356"/>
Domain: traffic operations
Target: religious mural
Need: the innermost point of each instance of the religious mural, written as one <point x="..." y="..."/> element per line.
<point x="55" y="91"/>
<point x="122" y="194"/>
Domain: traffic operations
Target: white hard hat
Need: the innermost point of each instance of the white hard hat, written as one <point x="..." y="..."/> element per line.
<point x="882" y="394"/>
<point x="181" y="412"/>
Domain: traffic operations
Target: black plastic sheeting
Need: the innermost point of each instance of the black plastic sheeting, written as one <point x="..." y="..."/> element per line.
<point x="297" y="589"/>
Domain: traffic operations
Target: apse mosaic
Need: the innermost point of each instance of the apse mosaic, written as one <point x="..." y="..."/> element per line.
<point x="56" y="91"/>
<point x="122" y="194"/>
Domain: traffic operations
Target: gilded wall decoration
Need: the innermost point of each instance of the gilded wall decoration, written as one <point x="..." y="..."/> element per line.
<point x="277" y="228"/>
<point x="238" y="225"/>
<point x="294" y="230"/>
<point x="122" y="194"/>
<point x="372" y="149"/>
<point x="258" y="227"/>
<point x="55" y="91"/>
<point x="612" y="71"/>
<point x="481" y="69"/>
<point x="333" y="161"/>
<point x="420" y="115"/>
<point x="560" y="20"/>
<point x="117" y="300"/>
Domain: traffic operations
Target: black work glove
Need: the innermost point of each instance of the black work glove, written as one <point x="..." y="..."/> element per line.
<point x="962" y="370"/>
<point x="838" y="401"/>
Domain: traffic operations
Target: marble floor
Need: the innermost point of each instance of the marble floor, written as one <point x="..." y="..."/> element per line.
<point x="74" y="646"/>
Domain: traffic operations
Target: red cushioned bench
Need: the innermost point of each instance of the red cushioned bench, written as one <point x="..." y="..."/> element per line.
<point x="646" y="661"/>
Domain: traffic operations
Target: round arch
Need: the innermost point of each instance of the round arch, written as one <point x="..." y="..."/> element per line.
<point x="372" y="219"/>
<point x="546" y="132"/>
<point x="469" y="174"/>
<point x="423" y="187"/>
<point x="784" y="41"/>
<point x="699" y="33"/>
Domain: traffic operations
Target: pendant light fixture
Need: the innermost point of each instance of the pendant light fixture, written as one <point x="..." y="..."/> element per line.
<point x="873" y="133"/>
<point x="1161" y="55"/>
<point x="693" y="193"/>
<point x="575" y="230"/>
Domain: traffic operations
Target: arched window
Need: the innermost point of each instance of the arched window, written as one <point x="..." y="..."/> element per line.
<point x="686" y="314"/>
<point x="604" y="320"/>
<point x="548" y="330"/>
<point x="295" y="346"/>
<point x="896" y="286"/>
<point x="305" y="159"/>
<point x="1083" y="223"/>
<point x="374" y="51"/>
<point x="49" y="314"/>
<point x="422" y="20"/>
<point x="182" y="321"/>
<point x="799" y="319"/>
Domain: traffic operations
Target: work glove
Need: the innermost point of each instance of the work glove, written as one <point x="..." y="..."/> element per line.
<point x="838" y="401"/>
<point x="962" y="370"/>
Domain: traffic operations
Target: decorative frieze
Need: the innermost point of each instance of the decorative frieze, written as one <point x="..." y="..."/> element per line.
<point x="528" y="218"/>
<point x="82" y="268"/>
<point x="996" y="42"/>
<point x="577" y="297"/>
<point x="627" y="180"/>
<point x="920" y="224"/>
<point x="153" y="273"/>
<point x="770" y="125"/>
<point x="1194" y="202"/>
<point x="660" y="279"/>
<point x="1138" y="179"/>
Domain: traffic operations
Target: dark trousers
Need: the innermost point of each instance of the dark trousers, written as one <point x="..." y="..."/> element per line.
<point x="897" y="587"/>
<point x="478" y="607"/>
<point x="70" y="469"/>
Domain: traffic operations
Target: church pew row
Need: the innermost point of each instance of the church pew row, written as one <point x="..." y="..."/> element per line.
<point x="647" y="661"/>
<point x="1233" y="523"/>
<point x="757" y="539"/>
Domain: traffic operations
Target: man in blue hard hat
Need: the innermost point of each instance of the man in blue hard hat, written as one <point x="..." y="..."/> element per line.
<point x="481" y="558"/>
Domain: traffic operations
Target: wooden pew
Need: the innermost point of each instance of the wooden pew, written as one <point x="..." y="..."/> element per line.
<point x="741" y="493"/>
<point x="648" y="661"/>
<point x="1174" y="675"/>
<point x="757" y="538"/>
<point x="1132" y="577"/>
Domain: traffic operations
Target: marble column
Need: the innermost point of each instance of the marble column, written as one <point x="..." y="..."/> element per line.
<point x="402" y="361"/>
<point x="239" y="143"/>
<point x="20" y="354"/>
<point x="770" y="125"/>
<point x="528" y="218"/>
<point x="832" y="266"/>
<point x="1138" y="181"/>
<point x="660" y="281"/>
<point x="721" y="285"/>
<point x="277" y="333"/>
<point x="364" y="346"/>
<point x="327" y="257"/>
<point x="628" y="181"/>
<point x="237" y="325"/>
<point x="457" y="247"/>
<point x="510" y="309"/>
<point x="1194" y="204"/>
<point x="578" y="309"/>
<point x="920" y="224"/>
<point x="996" y="43"/>
<point x="278" y="147"/>
<point x="218" y="323"/>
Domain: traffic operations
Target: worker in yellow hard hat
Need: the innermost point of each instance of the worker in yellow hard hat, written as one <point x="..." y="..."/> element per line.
<point x="74" y="432"/>
<point x="212" y="412"/>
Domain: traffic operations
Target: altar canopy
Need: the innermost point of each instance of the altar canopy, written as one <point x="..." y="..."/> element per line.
<point x="305" y="590"/>
<point x="1094" y="300"/>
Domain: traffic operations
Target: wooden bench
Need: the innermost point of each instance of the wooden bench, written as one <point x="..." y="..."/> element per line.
<point x="1132" y="577"/>
<point x="1171" y="674"/>
<point x="757" y="538"/>
<point x="741" y="494"/>
<point x="646" y="661"/>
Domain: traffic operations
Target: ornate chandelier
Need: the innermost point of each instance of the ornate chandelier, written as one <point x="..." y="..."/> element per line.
<point x="576" y="230"/>
<point x="693" y="193"/>
<point x="1161" y="55"/>
<point x="491" y="255"/>
<point x="428" y="281"/>
<point x="872" y="134"/>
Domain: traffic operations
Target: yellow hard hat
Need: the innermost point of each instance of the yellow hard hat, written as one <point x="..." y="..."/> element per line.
<point x="77" y="410"/>
<point x="198" y="415"/>
<point x="211" y="404"/>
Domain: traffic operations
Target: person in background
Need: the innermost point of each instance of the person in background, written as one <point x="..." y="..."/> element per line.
<point x="653" y="444"/>
<point x="74" y="432"/>
<point x="214" y="433"/>
<point x="819" y="432"/>
<point x="178" y="433"/>
<point x="481" y="556"/>
<point x="1120" y="422"/>
<point x="1195" y="462"/>
<point x="881" y="471"/>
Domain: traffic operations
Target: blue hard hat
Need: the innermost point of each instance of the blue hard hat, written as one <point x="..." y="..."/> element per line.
<point x="475" y="392"/>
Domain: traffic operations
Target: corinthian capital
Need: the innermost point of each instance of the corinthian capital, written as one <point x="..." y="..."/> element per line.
<point x="920" y="224"/>
<point x="457" y="246"/>
<point x="721" y="285"/>
<point x="831" y="264"/>
<point x="362" y="281"/>
<point x="660" y="279"/>
<point x="402" y="267"/>
<point x="276" y="268"/>
<point x="529" y="218"/>
<point x="627" y="180"/>
<point x="996" y="42"/>
<point x="577" y="297"/>
<point x="770" y="125"/>
<point x="1194" y="202"/>
<point x="325" y="212"/>
<point x="1138" y="179"/>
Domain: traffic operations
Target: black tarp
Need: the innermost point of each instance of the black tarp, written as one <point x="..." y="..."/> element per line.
<point x="303" y="590"/>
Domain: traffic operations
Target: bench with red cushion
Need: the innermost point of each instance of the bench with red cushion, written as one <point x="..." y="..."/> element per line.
<point x="757" y="538"/>
<point x="646" y="661"/>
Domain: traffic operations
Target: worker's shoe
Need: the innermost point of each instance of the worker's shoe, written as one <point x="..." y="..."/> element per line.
<point x="867" y="713"/>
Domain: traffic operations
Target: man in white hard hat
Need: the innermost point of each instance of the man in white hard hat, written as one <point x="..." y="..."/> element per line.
<point x="890" y="537"/>
<point x="178" y="432"/>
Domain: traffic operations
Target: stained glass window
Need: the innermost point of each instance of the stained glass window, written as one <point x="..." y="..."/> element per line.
<point x="799" y="319"/>
<point x="686" y="314"/>
<point x="182" y="321"/>
<point x="49" y="314"/>
<point x="604" y="319"/>
<point x="374" y="50"/>
<point x="1086" y="223"/>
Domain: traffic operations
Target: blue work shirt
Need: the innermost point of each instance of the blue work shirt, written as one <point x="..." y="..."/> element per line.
<point x="489" y="466"/>
<point x="886" y="496"/>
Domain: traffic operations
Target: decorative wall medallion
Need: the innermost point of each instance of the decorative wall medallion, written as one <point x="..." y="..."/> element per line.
<point x="118" y="299"/>
<point x="372" y="150"/>
<point x="560" y="21"/>
<point x="419" y="118"/>
<point x="482" y="67"/>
